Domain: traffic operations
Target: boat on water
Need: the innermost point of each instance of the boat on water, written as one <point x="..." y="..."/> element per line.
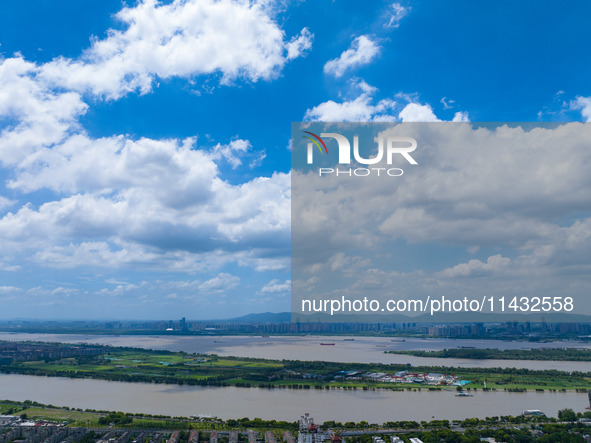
<point x="326" y="344"/>
<point x="463" y="394"/>
<point x="348" y="339"/>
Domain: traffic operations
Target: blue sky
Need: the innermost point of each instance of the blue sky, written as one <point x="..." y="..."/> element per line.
<point x="144" y="147"/>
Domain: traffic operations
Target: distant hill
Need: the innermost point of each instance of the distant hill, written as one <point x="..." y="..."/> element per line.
<point x="471" y="317"/>
<point x="265" y="317"/>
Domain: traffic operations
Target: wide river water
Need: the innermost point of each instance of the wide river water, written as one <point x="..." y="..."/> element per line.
<point x="281" y="404"/>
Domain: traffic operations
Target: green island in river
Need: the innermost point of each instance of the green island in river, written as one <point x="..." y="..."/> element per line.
<point x="547" y="354"/>
<point x="141" y="365"/>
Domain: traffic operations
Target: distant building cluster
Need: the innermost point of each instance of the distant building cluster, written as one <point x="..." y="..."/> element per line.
<point x="15" y="429"/>
<point x="225" y="327"/>
<point x="404" y="377"/>
<point x="53" y="433"/>
<point x="40" y="434"/>
<point x="310" y="433"/>
<point x="25" y="351"/>
<point x="18" y="422"/>
<point x="477" y="329"/>
<point x="431" y="379"/>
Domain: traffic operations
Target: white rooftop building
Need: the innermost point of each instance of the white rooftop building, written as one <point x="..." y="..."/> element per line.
<point x="306" y="421"/>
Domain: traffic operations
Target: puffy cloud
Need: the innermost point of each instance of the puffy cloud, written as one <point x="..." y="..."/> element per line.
<point x="151" y="205"/>
<point x="362" y="108"/>
<point x="220" y="284"/>
<point x="583" y="104"/>
<point x="119" y="200"/>
<point x="35" y="115"/>
<point x="461" y="117"/>
<point x="237" y="39"/>
<point x="82" y="164"/>
<point x="5" y="202"/>
<point x="181" y="226"/>
<point x="476" y="267"/>
<point x="125" y="201"/>
<point x="10" y="268"/>
<point x="276" y="286"/>
<point x="511" y="198"/>
<point x="181" y="290"/>
<point x="42" y="103"/>
<point x="359" y="109"/>
<point x="232" y="151"/>
<point x="414" y="112"/>
<point x="362" y="51"/>
<point x="300" y="45"/>
<point x="7" y="290"/>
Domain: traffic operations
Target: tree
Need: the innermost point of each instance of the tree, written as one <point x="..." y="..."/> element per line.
<point x="567" y="414"/>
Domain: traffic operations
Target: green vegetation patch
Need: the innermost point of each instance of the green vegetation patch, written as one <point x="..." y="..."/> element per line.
<point x="75" y="418"/>
<point x="245" y="364"/>
<point x="558" y="354"/>
<point x="138" y="365"/>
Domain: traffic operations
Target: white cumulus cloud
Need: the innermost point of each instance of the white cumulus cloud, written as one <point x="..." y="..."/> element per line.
<point x="121" y="200"/>
<point x="186" y="38"/>
<point x="276" y="286"/>
<point x="362" y="51"/>
<point x="583" y="104"/>
<point x="477" y="267"/>
<point x="415" y="112"/>
<point x="365" y="108"/>
<point x="359" y="109"/>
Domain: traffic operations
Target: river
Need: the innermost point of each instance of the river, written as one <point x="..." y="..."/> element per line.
<point x="280" y="404"/>
<point x="345" y="349"/>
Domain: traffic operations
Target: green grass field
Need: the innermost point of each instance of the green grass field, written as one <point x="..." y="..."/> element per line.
<point x="134" y="365"/>
<point x="243" y="364"/>
<point x="76" y="418"/>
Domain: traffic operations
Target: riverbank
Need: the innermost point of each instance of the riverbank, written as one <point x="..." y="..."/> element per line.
<point x="181" y="368"/>
<point x="309" y="348"/>
<point x="546" y="354"/>
<point x="90" y="426"/>
<point x="378" y="406"/>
